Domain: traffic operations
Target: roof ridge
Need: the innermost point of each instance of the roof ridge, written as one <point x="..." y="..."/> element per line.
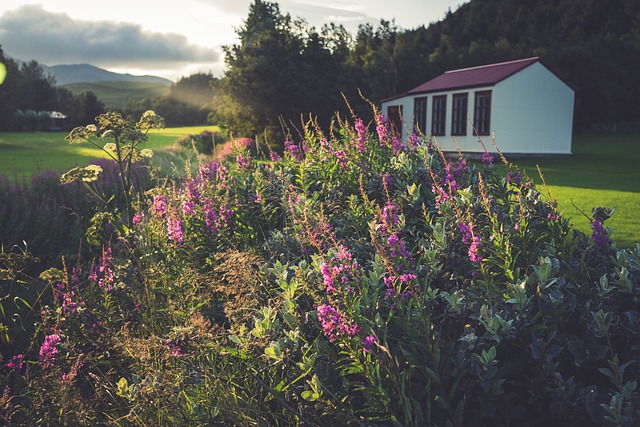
<point x="532" y="59"/>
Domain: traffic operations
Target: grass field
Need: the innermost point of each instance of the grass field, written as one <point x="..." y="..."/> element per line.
<point x="23" y="154"/>
<point x="603" y="171"/>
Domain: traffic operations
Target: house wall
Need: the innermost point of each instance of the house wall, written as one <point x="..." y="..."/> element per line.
<point x="531" y="113"/>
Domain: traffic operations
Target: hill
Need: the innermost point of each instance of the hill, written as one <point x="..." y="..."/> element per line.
<point x="83" y="73"/>
<point x="114" y="93"/>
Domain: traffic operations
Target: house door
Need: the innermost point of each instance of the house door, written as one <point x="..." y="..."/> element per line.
<point x="394" y="113"/>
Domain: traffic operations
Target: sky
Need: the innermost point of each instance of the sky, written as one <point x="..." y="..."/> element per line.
<point x="172" y="39"/>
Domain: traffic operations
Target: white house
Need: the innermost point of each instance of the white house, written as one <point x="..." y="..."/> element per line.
<point x="525" y="105"/>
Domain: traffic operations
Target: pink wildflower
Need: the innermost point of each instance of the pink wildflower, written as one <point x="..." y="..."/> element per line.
<point x="49" y="350"/>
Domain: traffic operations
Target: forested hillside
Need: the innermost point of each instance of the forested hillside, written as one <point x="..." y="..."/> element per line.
<point x="282" y="69"/>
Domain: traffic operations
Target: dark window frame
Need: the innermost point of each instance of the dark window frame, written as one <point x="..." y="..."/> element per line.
<point x="439" y="115"/>
<point x="420" y="105"/>
<point x="482" y="112"/>
<point x="459" y="111"/>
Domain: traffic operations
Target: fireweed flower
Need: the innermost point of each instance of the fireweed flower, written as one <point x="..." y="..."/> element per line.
<point x="137" y="218"/>
<point x="210" y="216"/>
<point x="274" y="156"/>
<point x="340" y="271"/>
<point x="192" y="192"/>
<point x="514" y="178"/>
<point x="159" y="207"/>
<point x="599" y="235"/>
<point x="334" y="324"/>
<point x="188" y="208"/>
<point x="414" y="142"/>
<point x="368" y="342"/>
<point x="102" y="273"/>
<point x="396" y="145"/>
<point x="243" y="161"/>
<point x="16" y="363"/>
<point x="381" y="129"/>
<point x="49" y="350"/>
<point x="487" y="158"/>
<point x="361" y="130"/>
<point x="474" y="242"/>
<point x="292" y="149"/>
<point x="174" y="230"/>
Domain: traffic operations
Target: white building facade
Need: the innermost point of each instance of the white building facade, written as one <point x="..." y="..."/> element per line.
<point x="526" y="106"/>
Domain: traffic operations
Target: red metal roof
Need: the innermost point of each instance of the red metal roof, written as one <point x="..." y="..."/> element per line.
<point x="485" y="75"/>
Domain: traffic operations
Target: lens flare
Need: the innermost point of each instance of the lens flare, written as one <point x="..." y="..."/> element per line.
<point x="3" y="72"/>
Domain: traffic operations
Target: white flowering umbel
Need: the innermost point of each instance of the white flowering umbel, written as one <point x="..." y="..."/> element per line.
<point x="120" y="139"/>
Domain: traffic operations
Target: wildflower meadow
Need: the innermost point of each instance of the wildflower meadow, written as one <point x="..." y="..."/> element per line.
<point x="353" y="279"/>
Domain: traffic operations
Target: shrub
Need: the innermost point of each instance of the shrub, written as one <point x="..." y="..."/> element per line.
<point x="356" y="280"/>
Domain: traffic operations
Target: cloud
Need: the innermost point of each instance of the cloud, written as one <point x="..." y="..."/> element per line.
<point x="315" y="12"/>
<point x="31" y="32"/>
<point x="234" y="7"/>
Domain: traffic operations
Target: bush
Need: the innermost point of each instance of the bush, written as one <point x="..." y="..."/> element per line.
<point x="357" y="280"/>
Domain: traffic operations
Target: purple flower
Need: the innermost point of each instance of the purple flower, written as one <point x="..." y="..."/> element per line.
<point x="176" y="347"/>
<point x="16" y="363"/>
<point x="474" y="242"/>
<point x="487" y="158"/>
<point x="475" y="246"/>
<point x="599" y="235"/>
<point x="243" y="161"/>
<point x="381" y="128"/>
<point x="159" y="207"/>
<point x="396" y="145"/>
<point x="334" y="324"/>
<point x="368" y="342"/>
<point x="514" y="178"/>
<point x="49" y="350"/>
<point x="174" y="230"/>
<point x="361" y="129"/>
<point x="188" y="208"/>
<point x="274" y="156"/>
<point x="292" y="149"/>
<point x="102" y="273"/>
<point x="137" y="218"/>
<point x="210" y="216"/>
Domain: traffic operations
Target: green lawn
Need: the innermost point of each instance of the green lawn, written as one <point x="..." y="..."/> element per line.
<point x="603" y="171"/>
<point x="23" y="154"/>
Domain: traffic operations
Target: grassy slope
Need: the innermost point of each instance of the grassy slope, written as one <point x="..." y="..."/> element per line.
<point x="114" y="94"/>
<point x="603" y="171"/>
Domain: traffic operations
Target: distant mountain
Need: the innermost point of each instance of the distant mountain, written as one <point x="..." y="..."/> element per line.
<point x="86" y="73"/>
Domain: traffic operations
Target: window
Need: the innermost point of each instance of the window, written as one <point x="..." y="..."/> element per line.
<point x="420" y="115"/>
<point x="482" y="113"/>
<point x="394" y="114"/>
<point x="459" y="114"/>
<point x="438" y="115"/>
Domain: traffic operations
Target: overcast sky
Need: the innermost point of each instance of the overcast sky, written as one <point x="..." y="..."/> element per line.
<point x="172" y="39"/>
